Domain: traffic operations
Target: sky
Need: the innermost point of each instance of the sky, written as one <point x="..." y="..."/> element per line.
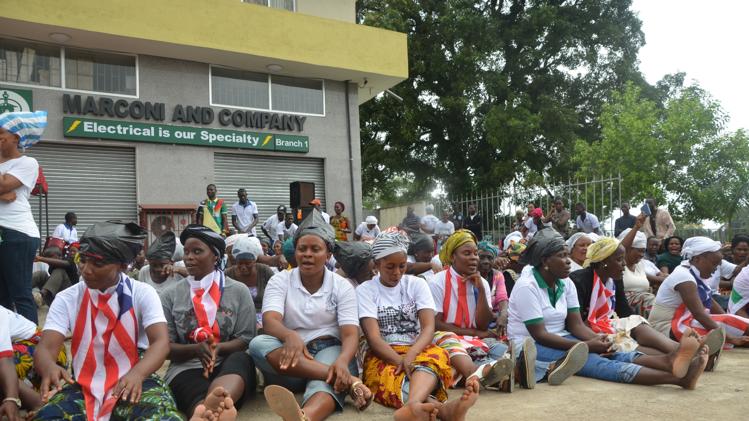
<point x="704" y="39"/>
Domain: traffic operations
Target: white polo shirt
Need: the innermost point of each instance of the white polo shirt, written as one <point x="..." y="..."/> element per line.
<point x="286" y="232"/>
<point x="530" y="303"/>
<point x="245" y="215"/>
<point x="312" y="315"/>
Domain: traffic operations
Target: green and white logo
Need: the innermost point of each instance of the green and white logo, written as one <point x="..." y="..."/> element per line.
<point x="15" y="100"/>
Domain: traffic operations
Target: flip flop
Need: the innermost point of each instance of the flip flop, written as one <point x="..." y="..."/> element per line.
<point x="500" y="369"/>
<point x="508" y="385"/>
<point x="353" y="394"/>
<point x="283" y="403"/>
<point x="715" y="340"/>
<point x="528" y="364"/>
<point x="573" y="361"/>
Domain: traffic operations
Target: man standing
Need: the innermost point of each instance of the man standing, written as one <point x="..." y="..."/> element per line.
<point x="287" y="228"/>
<point x="411" y="223"/>
<point x="444" y="227"/>
<point x="244" y="214"/>
<point x="659" y="223"/>
<point x="457" y="216"/>
<point x="559" y="218"/>
<point x="270" y="224"/>
<point x="212" y="212"/>
<point x="586" y="222"/>
<point x="67" y="232"/>
<point x="429" y="221"/>
<point x="473" y="221"/>
<point x="625" y="221"/>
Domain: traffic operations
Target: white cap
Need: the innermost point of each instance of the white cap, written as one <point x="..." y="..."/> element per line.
<point x="371" y="220"/>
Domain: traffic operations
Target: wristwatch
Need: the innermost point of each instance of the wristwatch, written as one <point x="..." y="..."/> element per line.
<point x="16" y="401"/>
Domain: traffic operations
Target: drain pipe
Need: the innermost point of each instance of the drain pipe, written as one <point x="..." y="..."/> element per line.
<point x="350" y="153"/>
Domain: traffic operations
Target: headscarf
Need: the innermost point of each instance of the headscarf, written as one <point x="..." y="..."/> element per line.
<point x="453" y="242"/>
<point x="179" y="251"/>
<point x="388" y="243"/>
<point x="213" y="240"/>
<point x="536" y="213"/>
<point x="232" y="239"/>
<point x="247" y="248"/>
<point x="314" y="224"/>
<point x="343" y="208"/>
<point x="288" y="249"/>
<point x="543" y="244"/>
<point x="640" y="241"/>
<point x="28" y="126"/>
<point x="695" y="246"/>
<point x="113" y="241"/>
<point x="514" y="236"/>
<point x="420" y="242"/>
<point x="489" y="247"/>
<point x="574" y="238"/>
<point x="600" y="250"/>
<point x="163" y="247"/>
<point x="515" y="250"/>
<point x="352" y="255"/>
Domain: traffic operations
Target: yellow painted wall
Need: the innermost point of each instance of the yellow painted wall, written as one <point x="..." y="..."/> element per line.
<point x="343" y="10"/>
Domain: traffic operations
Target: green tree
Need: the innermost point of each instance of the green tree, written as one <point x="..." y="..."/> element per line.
<point x="498" y="90"/>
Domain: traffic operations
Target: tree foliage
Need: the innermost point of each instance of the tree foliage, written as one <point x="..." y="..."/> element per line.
<point x="499" y="90"/>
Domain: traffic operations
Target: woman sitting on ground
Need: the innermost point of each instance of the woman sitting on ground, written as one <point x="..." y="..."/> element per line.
<point x="311" y="335"/>
<point x="248" y="271"/>
<point x="211" y="320"/>
<point x="639" y="279"/>
<point x="514" y="248"/>
<point x="114" y="367"/>
<point x="355" y="260"/>
<point x="739" y="302"/>
<point x="544" y="306"/>
<point x="488" y="253"/>
<point x="578" y="244"/>
<point x="671" y="258"/>
<point x="421" y="259"/>
<point x="402" y="367"/>
<point x="684" y="300"/>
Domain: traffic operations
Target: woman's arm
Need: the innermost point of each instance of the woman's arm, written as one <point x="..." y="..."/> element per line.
<point x="484" y="314"/>
<point x="577" y="327"/>
<point x="130" y="386"/>
<point x="45" y="356"/>
<point x="426" y="322"/>
<point x="8" y="183"/>
<point x="630" y="237"/>
<point x="690" y="297"/>
<point x="542" y="336"/>
<point x="378" y="346"/>
<point x="449" y="327"/>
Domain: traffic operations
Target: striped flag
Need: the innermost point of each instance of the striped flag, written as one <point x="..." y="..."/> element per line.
<point x="734" y="325"/>
<point x="104" y="345"/>
<point x="599" y="314"/>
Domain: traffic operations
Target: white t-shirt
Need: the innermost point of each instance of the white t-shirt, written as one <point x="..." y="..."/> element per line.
<point x="530" y="303"/>
<point x="428" y="275"/>
<point x="365" y="233"/>
<point x="245" y="215"/>
<point x="589" y="225"/>
<point x="17" y="215"/>
<point x="725" y="270"/>
<point x="395" y="309"/>
<point x="650" y="268"/>
<point x="270" y="225"/>
<point x="144" y="275"/>
<point x="68" y="235"/>
<point x="312" y="315"/>
<point x="66" y="306"/>
<point x="282" y="230"/>
<point x="325" y="217"/>
<point x="429" y="222"/>
<point x="574" y="266"/>
<point x="667" y="294"/>
<point x="437" y="285"/>
<point x="13" y="327"/>
<point x="444" y="228"/>
<point x="637" y="280"/>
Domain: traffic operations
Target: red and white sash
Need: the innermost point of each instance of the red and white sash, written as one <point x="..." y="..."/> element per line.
<point x="599" y="313"/>
<point x="463" y="317"/>
<point x="734" y="325"/>
<point x="104" y="345"/>
<point x="206" y="297"/>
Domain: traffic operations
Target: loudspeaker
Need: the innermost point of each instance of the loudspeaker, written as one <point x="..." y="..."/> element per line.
<point x="301" y="193"/>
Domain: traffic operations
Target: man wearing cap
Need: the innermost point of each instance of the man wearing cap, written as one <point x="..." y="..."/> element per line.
<point x="367" y="230"/>
<point x="270" y="224"/>
<point x="244" y="214"/>
<point x="19" y="234"/>
<point x="317" y="204"/>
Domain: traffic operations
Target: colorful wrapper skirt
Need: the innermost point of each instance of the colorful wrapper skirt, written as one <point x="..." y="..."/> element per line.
<point x="23" y="355"/>
<point x="387" y="386"/>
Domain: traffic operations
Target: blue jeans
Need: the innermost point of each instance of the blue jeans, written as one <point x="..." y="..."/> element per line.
<point x="617" y="367"/>
<point x="17" y="251"/>
<point x="325" y="351"/>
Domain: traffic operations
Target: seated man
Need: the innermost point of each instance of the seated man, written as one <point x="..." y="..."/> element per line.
<point x="62" y="273"/>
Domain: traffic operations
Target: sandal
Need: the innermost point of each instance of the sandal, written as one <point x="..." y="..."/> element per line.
<point x="355" y="393"/>
<point x="715" y="340"/>
<point x="508" y="385"/>
<point x="499" y="370"/>
<point x="284" y="404"/>
<point x="528" y="364"/>
<point x="572" y="362"/>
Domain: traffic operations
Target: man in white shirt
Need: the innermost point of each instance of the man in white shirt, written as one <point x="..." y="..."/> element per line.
<point x="244" y="214"/>
<point x="270" y="224"/>
<point x="444" y="227"/>
<point x="287" y="228"/>
<point x="367" y="230"/>
<point x="429" y="221"/>
<point x="586" y="221"/>
<point x="67" y="231"/>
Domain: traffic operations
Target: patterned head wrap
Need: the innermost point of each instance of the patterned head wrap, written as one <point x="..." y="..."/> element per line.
<point x="545" y="243"/>
<point x="537" y="213"/>
<point x="600" y="250"/>
<point x="247" y="248"/>
<point x="453" y="242"/>
<point x="515" y="236"/>
<point x="515" y="250"/>
<point x="314" y="224"/>
<point x="388" y="243"/>
<point x="489" y="247"/>
<point x="163" y="247"/>
<point x="695" y="246"/>
<point x="113" y="241"/>
<point x="27" y="126"/>
<point x="208" y="236"/>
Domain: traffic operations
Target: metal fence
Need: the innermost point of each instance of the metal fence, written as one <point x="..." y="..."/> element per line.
<point x="501" y="208"/>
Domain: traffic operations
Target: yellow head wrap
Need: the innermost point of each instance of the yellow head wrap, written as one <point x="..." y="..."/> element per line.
<point x="600" y="250"/>
<point x="452" y="243"/>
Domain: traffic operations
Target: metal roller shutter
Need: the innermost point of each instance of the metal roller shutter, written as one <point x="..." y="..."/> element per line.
<point x="265" y="178"/>
<point x="97" y="183"/>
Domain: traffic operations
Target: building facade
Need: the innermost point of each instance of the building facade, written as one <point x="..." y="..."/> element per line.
<point x="151" y="102"/>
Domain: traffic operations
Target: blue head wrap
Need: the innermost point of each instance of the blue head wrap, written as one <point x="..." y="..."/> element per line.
<point x="27" y="126"/>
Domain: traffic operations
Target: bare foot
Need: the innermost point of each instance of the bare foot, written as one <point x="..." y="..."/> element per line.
<point x="696" y="368"/>
<point x="682" y="357"/>
<point x="457" y="409"/>
<point x="416" y="411"/>
<point x="220" y="403"/>
<point x="201" y="413"/>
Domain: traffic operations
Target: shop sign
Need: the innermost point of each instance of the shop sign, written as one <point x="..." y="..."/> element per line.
<point x="182" y="135"/>
<point x="15" y="100"/>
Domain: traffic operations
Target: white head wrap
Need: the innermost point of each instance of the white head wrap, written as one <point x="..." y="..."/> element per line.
<point x="388" y="243"/>
<point x="573" y="239"/>
<point x="515" y="236"/>
<point x="247" y="248"/>
<point x="640" y="241"/>
<point x="695" y="246"/>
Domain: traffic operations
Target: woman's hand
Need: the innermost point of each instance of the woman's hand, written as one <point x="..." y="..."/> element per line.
<point x="52" y="381"/>
<point x="640" y="221"/>
<point x="9" y="410"/>
<point x="475" y="279"/>
<point x="130" y="386"/>
<point x="406" y="364"/>
<point x="339" y="376"/>
<point x="293" y="349"/>
<point x="599" y="345"/>
<point x="206" y="353"/>
<point x="502" y="323"/>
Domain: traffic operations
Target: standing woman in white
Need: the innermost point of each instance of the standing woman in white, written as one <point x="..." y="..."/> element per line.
<point x="19" y="235"/>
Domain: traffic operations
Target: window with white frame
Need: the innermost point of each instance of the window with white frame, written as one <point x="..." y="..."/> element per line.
<point x="277" y="4"/>
<point x="30" y="63"/>
<point x="239" y="88"/>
